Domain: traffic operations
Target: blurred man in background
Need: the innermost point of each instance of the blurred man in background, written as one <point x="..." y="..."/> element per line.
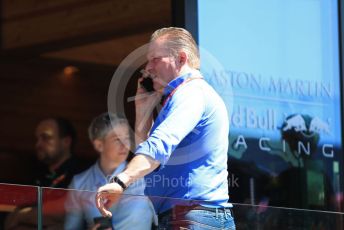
<point x="56" y="138"/>
<point x="55" y="142"/>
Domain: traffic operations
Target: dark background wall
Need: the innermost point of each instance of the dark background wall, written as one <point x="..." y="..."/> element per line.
<point x="39" y="39"/>
<point x="35" y="89"/>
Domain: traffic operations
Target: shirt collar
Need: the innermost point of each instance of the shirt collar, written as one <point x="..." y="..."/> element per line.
<point x="118" y="170"/>
<point x="178" y="81"/>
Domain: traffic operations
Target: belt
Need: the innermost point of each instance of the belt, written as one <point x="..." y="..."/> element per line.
<point x="180" y="209"/>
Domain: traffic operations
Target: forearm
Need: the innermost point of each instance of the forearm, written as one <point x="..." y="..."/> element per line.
<point x="144" y="107"/>
<point x="138" y="167"/>
<point x="143" y="124"/>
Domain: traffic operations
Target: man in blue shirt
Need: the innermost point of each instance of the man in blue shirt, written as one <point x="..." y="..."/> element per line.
<point x="184" y="153"/>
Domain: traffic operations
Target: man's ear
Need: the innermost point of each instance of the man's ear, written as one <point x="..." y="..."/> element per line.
<point x="182" y="58"/>
<point x="98" y="145"/>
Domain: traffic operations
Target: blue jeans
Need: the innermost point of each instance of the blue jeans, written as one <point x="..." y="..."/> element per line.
<point x="220" y="218"/>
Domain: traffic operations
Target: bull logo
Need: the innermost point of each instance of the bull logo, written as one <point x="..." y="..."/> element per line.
<point x="299" y="123"/>
<point x="296" y="122"/>
<point x="319" y="126"/>
<point x="302" y="131"/>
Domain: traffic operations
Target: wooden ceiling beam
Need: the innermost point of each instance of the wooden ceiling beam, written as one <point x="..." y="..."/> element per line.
<point x="73" y="43"/>
<point x="55" y="25"/>
<point x="109" y="52"/>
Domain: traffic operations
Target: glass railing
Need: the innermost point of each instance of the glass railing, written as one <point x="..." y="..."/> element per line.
<point x="28" y="207"/>
<point x="19" y="207"/>
<point x="268" y="217"/>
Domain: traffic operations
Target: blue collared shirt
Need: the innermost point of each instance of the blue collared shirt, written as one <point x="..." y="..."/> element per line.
<point x="190" y="140"/>
<point x="133" y="211"/>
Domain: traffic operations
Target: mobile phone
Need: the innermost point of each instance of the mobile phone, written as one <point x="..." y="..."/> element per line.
<point x="147" y="83"/>
<point x="105" y="222"/>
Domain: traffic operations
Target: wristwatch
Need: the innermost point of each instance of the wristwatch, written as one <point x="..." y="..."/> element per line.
<point x="118" y="181"/>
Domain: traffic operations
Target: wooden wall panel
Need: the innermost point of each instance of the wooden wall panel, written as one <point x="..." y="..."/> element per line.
<point x="110" y="52"/>
<point x="19" y="8"/>
<point x="36" y="23"/>
<point x="30" y="91"/>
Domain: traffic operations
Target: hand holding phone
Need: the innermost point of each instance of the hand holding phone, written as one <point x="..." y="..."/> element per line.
<point x="147" y="82"/>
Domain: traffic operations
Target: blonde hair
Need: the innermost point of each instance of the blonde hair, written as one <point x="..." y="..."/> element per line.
<point x="179" y="39"/>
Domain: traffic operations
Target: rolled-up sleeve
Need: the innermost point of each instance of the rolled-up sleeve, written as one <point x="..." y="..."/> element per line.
<point x="176" y="120"/>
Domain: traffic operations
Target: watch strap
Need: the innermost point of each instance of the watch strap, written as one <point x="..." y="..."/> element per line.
<point x="118" y="181"/>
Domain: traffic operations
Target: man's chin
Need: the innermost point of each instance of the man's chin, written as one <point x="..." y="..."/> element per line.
<point x="44" y="159"/>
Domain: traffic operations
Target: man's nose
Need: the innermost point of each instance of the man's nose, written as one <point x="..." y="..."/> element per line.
<point x="124" y="144"/>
